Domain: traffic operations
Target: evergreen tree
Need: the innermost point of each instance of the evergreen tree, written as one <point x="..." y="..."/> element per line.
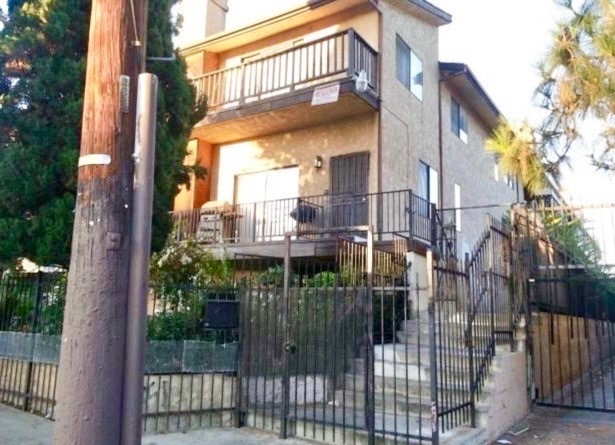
<point x="42" y="67"/>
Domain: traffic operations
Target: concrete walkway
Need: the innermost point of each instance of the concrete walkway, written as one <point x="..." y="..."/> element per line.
<point x="555" y="426"/>
<point x="19" y="428"/>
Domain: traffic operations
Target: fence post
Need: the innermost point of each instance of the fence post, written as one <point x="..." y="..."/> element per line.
<point x="288" y="347"/>
<point x="469" y="340"/>
<point x="411" y="212"/>
<point x="35" y="316"/>
<point x="351" y="53"/>
<point x="489" y="279"/>
<point x="434" y="226"/>
<point x="368" y="327"/>
<point x="242" y="86"/>
<point x="433" y="367"/>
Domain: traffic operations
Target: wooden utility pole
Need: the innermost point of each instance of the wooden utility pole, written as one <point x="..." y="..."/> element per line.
<point x="89" y="391"/>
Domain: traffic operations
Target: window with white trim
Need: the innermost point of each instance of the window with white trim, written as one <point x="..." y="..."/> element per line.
<point x="459" y="120"/>
<point x="428" y="183"/>
<point x="409" y="68"/>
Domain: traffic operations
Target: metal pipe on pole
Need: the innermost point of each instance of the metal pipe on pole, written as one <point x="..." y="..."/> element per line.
<point x="140" y="247"/>
<point x="90" y="373"/>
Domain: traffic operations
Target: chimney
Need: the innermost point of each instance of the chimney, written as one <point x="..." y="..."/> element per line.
<point x="200" y="19"/>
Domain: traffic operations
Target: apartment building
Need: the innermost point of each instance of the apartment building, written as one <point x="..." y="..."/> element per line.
<point x="336" y="113"/>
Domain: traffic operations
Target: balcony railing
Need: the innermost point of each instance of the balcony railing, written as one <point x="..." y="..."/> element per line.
<point x="313" y="217"/>
<point x="339" y="56"/>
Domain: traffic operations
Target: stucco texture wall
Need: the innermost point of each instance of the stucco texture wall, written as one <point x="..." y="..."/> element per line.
<point x="296" y="148"/>
<point x="364" y="20"/>
<point x="470" y="166"/>
<point x="409" y="125"/>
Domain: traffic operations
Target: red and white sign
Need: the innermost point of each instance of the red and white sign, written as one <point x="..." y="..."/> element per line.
<point x="326" y="95"/>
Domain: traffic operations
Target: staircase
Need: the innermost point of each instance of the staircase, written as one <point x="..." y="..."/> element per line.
<point x="402" y="386"/>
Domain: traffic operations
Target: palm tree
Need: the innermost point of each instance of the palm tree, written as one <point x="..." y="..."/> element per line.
<point x="518" y="155"/>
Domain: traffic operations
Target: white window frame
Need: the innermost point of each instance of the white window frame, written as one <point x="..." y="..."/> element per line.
<point x="459" y="117"/>
<point x="433" y="184"/>
<point x="412" y="78"/>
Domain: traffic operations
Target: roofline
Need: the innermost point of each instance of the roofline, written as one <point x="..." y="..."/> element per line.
<point x="309" y="5"/>
<point x="463" y="69"/>
<point x="433" y="10"/>
<point x="224" y="35"/>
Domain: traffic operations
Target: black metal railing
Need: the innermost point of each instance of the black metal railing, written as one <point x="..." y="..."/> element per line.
<point x="339" y="56"/>
<point x="474" y="313"/>
<point x="332" y="350"/>
<point x="190" y="369"/>
<point x="309" y="217"/>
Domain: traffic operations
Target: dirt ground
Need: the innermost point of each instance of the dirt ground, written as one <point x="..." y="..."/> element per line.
<point x="555" y="426"/>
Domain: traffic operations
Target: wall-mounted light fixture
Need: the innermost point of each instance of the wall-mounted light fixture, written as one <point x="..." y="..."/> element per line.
<point x="318" y="162"/>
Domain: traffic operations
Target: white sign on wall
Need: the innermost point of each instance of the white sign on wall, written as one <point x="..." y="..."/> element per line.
<point x="326" y="95"/>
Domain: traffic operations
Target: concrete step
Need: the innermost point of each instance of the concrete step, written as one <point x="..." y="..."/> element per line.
<point x="402" y="387"/>
<point x="400" y="370"/>
<point x="415" y="354"/>
<point x="457" y="339"/>
<point x="387" y="402"/>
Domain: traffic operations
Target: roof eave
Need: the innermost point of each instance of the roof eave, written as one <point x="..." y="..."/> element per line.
<point x="451" y="70"/>
<point x="440" y="17"/>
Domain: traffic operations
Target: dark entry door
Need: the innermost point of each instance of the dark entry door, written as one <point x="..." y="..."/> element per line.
<point x="349" y="188"/>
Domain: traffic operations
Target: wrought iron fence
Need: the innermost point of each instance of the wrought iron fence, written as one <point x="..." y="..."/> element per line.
<point x="331" y="350"/>
<point x="190" y="370"/>
<point x="568" y="278"/>
<point x="474" y="313"/>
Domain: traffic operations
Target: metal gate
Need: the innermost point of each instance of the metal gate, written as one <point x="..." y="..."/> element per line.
<point x="570" y="253"/>
<point x="325" y="352"/>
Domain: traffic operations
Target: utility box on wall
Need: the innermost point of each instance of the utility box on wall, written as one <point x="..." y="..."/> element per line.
<point x="222" y="314"/>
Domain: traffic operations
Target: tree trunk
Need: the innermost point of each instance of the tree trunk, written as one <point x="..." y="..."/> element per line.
<point x="90" y="376"/>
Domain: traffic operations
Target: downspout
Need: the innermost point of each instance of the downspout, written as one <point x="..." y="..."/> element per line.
<point x="380" y="50"/>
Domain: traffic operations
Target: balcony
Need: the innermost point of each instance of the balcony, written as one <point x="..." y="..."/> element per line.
<point x="283" y="84"/>
<point x="313" y="218"/>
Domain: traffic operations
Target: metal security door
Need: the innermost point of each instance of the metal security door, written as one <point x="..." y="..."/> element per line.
<point x="349" y="187"/>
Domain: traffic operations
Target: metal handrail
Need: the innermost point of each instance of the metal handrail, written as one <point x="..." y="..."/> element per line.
<point x="389" y="212"/>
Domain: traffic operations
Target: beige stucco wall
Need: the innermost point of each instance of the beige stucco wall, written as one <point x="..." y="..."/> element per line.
<point x="357" y="134"/>
<point x="470" y="166"/>
<point x="409" y="125"/>
<point x="364" y="20"/>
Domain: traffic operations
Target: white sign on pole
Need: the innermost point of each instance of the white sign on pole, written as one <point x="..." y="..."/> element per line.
<point x="326" y="95"/>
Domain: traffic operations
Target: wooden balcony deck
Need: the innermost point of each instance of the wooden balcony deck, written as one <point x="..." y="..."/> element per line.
<point x="283" y="85"/>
